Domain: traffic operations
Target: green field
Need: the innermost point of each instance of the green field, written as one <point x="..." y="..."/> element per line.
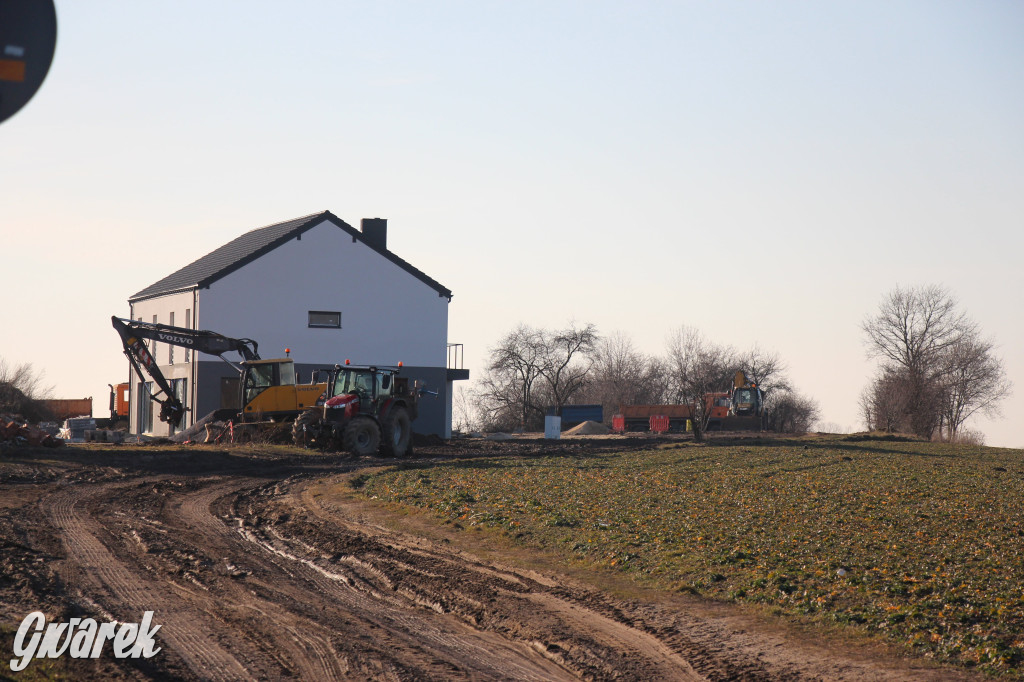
<point x="920" y="543"/>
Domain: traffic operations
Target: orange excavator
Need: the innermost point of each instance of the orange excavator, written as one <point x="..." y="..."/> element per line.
<point x="741" y="409"/>
<point x="746" y="406"/>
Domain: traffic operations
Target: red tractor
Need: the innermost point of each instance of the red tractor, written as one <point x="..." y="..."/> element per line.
<point x="366" y="409"/>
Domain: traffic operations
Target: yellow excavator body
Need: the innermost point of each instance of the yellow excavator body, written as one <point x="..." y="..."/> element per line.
<point x="269" y="389"/>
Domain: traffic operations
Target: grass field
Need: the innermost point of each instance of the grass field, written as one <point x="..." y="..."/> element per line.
<point x="921" y="543"/>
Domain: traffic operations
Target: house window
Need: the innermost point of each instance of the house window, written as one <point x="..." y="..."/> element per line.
<point x="325" y="319"/>
<point x="155" y="361"/>
<point x="145" y="406"/>
<point x="170" y="348"/>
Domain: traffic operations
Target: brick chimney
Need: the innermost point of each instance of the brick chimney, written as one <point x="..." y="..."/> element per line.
<point x="375" y="232"/>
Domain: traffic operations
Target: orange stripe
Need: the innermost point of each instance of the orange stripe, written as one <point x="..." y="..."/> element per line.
<point x="12" y="70"/>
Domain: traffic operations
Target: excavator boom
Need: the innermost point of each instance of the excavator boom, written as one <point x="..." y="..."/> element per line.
<point x="132" y="333"/>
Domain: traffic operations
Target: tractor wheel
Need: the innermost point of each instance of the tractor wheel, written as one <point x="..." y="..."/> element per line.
<point x="308" y="428"/>
<point x="396" y="434"/>
<point x="361" y="437"/>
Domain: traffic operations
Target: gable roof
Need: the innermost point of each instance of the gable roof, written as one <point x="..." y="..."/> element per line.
<point x="256" y="243"/>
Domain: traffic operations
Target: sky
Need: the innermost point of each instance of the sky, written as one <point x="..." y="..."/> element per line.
<point x="763" y="172"/>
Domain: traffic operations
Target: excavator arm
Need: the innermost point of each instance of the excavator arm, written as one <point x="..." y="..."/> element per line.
<point x="132" y="333"/>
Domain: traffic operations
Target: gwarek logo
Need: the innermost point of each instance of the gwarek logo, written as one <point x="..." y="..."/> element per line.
<point x="82" y="638"/>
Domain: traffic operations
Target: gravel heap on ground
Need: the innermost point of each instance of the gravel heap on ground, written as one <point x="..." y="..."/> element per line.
<point x="588" y="428"/>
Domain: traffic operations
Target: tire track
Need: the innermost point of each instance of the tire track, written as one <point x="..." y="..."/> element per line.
<point x="407" y="636"/>
<point x="251" y="576"/>
<point x="191" y="638"/>
<point x="453" y="649"/>
<point x="311" y="650"/>
<point x="588" y="640"/>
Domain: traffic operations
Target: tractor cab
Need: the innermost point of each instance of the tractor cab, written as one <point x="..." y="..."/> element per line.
<point x="370" y="384"/>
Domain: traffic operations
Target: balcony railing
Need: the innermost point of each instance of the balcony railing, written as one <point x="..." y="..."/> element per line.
<point x="456" y="371"/>
<point x="455" y="356"/>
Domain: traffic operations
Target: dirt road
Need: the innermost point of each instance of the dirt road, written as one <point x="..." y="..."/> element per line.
<point x="255" y="570"/>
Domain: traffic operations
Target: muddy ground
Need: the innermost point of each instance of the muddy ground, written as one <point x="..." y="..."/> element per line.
<point x="259" y="565"/>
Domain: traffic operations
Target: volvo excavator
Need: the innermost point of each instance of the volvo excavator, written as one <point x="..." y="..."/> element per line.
<point x="268" y="388"/>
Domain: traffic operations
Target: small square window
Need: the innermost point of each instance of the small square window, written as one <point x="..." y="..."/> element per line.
<point x="323" y="318"/>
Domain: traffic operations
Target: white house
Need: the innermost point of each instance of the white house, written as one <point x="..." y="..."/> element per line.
<point x="316" y="286"/>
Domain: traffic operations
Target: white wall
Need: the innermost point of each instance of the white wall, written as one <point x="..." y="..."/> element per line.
<point x="162" y="307"/>
<point x="387" y="314"/>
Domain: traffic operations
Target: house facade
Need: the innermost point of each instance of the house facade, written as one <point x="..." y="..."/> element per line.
<point x="314" y="288"/>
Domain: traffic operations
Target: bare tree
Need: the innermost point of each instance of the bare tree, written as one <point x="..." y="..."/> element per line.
<point x="915" y="326"/>
<point x="975" y="381"/>
<point x="790" y="412"/>
<point x="886" y="404"/>
<point x="508" y="385"/>
<point x="698" y="367"/>
<point x="567" y="361"/>
<point x="464" y="414"/>
<point x="21" y="390"/>
<point x="531" y="369"/>
<point x="904" y="402"/>
<point x="621" y="375"/>
<point x="932" y="362"/>
<point x="766" y="370"/>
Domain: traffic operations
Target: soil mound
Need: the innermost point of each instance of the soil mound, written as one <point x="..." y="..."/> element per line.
<point x="427" y="439"/>
<point x="588" y="428"/>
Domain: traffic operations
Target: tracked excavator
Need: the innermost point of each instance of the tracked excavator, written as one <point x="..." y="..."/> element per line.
<point x="268" y="388"/>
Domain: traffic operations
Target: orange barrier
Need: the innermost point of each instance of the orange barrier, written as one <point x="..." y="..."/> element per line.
<point x="660" y="423"/>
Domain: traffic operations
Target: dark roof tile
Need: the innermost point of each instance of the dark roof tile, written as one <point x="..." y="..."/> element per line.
<point x="252" y="245"/>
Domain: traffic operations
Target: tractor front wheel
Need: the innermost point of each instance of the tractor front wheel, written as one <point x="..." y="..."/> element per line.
<point x="396" y="433"/>
<point x="361" y="437"/>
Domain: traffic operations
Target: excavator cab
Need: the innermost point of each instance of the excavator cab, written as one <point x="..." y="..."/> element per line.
<point x="269" y="388"/>
<point x="747" y="401"/>
<point x="747" y="411"/>
<point x="259" y="376"/>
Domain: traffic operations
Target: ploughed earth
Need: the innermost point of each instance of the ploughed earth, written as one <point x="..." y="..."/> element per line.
<point x="261" y="563"/>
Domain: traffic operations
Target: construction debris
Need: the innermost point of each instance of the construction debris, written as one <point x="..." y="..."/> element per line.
<point x="104" y="436"/>
<point x="16" y="431"/>
<point x="75" y="428"/>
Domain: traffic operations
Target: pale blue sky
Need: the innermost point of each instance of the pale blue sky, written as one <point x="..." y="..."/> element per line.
<point x="762" y="171"/>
